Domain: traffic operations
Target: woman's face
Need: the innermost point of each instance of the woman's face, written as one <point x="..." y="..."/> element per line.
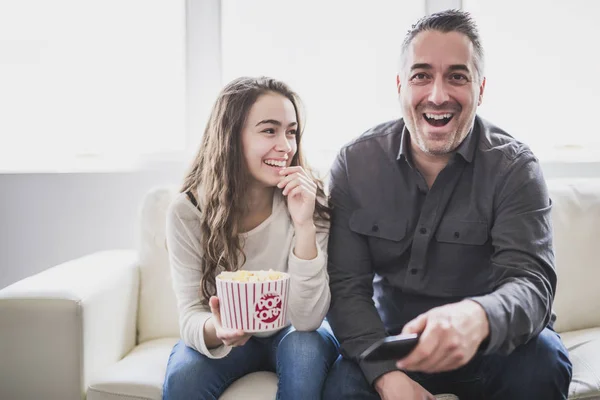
<point x="269" y="138"/>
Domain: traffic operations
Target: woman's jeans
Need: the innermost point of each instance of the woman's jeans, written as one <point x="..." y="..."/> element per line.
<point x="300" y="359"/>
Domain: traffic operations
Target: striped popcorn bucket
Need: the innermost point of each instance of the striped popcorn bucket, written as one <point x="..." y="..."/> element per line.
<point x="254" y="306"/>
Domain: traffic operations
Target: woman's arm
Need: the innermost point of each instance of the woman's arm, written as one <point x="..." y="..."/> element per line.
<point x="309" y="283"/>
<point x="185" y="261"/>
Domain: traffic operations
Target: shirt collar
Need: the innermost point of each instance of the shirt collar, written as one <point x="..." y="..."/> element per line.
<point x="466" y="149"/>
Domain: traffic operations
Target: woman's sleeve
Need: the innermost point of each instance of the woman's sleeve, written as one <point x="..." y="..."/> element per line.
<point x="309" y="286"/>
<point x="185" y="262"/>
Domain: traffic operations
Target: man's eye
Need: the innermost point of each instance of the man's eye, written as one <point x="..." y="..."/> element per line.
<point x="419" y="77"/>
<point x="459" y="78"/>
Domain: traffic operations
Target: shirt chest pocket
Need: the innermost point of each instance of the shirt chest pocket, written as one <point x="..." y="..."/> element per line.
<point x="386" y="234"/>
<point x="474" y="233"/>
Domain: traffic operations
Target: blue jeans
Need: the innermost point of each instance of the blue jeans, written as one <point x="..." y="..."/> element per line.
<point x="539" y="369"/>
<point x="300" y="359"/>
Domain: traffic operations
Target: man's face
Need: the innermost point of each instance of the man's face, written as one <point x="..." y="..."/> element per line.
<point x="439" y="90"/>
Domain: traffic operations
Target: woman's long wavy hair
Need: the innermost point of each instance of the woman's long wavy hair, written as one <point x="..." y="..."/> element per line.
<point x="220" y="171"/>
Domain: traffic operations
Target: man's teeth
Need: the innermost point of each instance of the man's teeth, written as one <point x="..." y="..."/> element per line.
<point x="275" y="163"/>
<point x="438" y="116"/>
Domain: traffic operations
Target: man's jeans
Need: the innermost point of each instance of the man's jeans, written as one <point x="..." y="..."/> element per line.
<point x="300" y="359"/>
<point x="539" y="369"/>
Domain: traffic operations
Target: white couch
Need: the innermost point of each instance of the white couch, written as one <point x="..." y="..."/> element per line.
<point x="103" y="326"/>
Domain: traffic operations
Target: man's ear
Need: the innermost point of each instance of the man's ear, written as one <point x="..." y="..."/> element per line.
<point x="481" y="90"/>
<point x="398" y="83"/>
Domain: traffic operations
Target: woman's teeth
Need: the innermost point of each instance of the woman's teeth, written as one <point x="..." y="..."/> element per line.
<point x="274" y="163"/>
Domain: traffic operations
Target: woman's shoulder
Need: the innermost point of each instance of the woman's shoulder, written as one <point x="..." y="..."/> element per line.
<point x="183" y="208"/>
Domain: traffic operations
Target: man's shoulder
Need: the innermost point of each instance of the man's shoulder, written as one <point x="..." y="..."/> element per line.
<point x="496" y="142"/>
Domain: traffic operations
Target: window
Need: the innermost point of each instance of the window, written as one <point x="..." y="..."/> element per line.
<point x="542" y="61"/>
<point x="340" y="57"/>
<point x="90" y="79"/>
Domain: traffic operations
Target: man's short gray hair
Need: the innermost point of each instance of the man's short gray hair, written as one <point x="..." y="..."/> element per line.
<point x="448" y="21"/>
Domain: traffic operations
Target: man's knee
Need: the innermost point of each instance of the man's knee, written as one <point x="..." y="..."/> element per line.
<point x="347" y="381"/>
<point x="539" y="368"/>
<point x="548" y="360"/>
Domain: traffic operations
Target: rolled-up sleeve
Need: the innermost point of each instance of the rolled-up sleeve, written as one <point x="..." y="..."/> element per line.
<point x="523" y="259"/>
<point x="352" y="314"/>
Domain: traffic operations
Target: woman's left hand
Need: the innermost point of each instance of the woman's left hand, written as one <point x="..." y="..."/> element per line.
<point x="301" y="192"/>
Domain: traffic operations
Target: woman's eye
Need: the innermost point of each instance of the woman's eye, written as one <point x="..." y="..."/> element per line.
<point x="269" y="130"/>
<point x="292" y="132"/>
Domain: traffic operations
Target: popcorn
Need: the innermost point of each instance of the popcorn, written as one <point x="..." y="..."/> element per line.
<point x="253" y="301"/>
<point x="251" y="276"/>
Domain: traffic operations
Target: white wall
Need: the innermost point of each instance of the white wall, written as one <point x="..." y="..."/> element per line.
<point x="49" y="218"/>
<point x="46" y="219"/>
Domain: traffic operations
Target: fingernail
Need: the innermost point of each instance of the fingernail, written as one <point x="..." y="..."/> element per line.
<point x="400" y="365"/>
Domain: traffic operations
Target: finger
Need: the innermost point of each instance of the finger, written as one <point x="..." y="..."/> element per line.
<point x="286" y="179"/>
<point x="304" y="179"/>
<point x="231" y="337"/>
<point x="243" y="340"/>
<point x="451" y="362"/>
<point x="428" y="342"/>
<point x="301" y="191"/>
<point x="214" y="309"/>
<point x="291" y="170"/>
<point x="444" y="342"/>
<point x="291" y="185"/>
<point x="417" y="325"/>
<point x="433" y="354"/>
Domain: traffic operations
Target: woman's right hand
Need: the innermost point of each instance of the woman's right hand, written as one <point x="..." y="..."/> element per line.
<point x="229" y="337"/>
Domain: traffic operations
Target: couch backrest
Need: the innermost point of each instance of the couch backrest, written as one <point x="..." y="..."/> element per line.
<point x="576" y="221"/>
<point x="157" y="314"/>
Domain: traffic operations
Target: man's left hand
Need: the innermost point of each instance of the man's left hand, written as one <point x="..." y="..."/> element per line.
<point x="450" y="336"/>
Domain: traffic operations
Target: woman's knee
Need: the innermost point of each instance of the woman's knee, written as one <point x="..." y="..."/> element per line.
<point x="182" y="374"/>
<point x="189" y="375"/>
<point x="312" y="345"/>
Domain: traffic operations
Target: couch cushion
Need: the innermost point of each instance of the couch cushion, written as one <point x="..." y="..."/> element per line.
<point x="584" y="352"/>
<point x="157" y="315"/>
<point x="140" y="375"/>
<point x="576" y="222"/>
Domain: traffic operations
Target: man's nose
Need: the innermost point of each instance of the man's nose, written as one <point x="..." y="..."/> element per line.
<point x="438" y="94"/>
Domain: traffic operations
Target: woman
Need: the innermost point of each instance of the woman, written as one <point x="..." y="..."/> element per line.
<point x="250" y="203"/>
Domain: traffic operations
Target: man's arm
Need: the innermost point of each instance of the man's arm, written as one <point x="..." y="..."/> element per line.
<point x="523" y="260"/>
<point x="352" y="314"/>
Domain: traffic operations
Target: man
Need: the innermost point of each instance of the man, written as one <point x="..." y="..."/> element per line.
<point x="441" y="226"/>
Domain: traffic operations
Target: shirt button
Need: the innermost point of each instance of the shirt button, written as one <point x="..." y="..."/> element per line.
<point x="413" y="271"/>
<point x="423" y="231"/>
<point x="375" y="228"/>
<point x="456" y="235"/>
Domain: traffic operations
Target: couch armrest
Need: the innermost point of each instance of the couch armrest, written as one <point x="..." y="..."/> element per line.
<point x="60" y="327"/>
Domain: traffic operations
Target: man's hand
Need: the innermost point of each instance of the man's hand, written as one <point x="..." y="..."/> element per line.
<point x="397" y="385"/>
<point x="450" y="336"/>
